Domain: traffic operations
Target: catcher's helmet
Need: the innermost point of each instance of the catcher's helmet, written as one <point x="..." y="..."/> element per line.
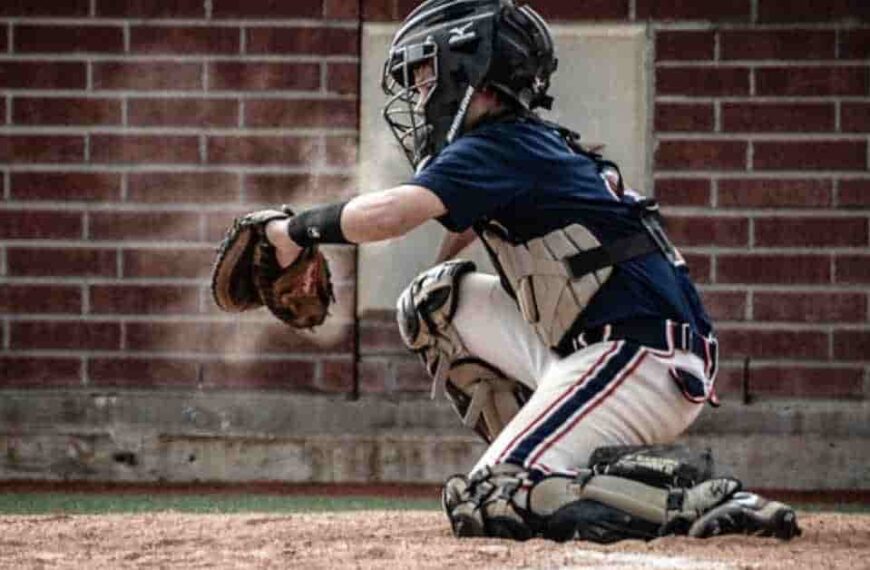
<point x="470" y="44"/>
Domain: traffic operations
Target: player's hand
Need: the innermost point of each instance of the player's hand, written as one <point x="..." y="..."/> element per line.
<point x="286" y="250"/>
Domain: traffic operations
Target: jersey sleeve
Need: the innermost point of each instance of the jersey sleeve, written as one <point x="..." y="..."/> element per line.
<point x="474" y="177"/>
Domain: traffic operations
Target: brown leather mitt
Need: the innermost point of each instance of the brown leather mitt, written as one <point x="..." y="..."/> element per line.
<point x="247" y="275"/>
<point x="232" y="278"/>
<point x="299" y="294"/>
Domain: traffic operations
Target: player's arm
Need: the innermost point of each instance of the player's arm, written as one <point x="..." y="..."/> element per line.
<point x="366" y="218"/>
<point x="452" y="243"/>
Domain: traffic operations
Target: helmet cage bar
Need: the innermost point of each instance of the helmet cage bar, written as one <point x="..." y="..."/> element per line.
<point x="404" y="111"/>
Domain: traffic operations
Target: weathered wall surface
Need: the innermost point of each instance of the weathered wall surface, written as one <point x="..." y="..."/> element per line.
<point x="132" y="132"/>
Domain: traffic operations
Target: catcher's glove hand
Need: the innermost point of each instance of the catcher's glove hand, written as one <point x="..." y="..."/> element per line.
<point x="247" y="275"/>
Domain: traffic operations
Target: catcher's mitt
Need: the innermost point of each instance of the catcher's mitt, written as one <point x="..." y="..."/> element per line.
<point x="247" y="275"/>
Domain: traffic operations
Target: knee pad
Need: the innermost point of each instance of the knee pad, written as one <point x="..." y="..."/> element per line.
<point x="484" y="397"/>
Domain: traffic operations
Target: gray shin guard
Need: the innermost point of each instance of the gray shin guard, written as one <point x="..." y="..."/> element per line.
<point x="605" y="508"/>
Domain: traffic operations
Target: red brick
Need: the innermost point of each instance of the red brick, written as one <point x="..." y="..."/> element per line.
<point x="807" y="232"/>
<point x="302" y="40"/>
<point x="741" y="268"/>
<point x="854" y="193"/>
<point x="784" y="343"/>
<point x="855" y="117"/>
<point x="795" y="382"/>
<point x="855" y="44"/>
<point x="290" y="375"/>
<point x="775" y="193"/>
<point x="560" y="10"/>
<point x="41" y="148"/>
<point x="778" y="117"/>
<point x="693" y="10"/>
<point x="777" y="44"/>
<point x="699" y="266"/>
<point x="811" y="81"/>
<point x="44" y="8"/>
<point x="69" y="335"/>
<point x="704" y="230"/>
<point x="183" y="112"/>
<point x="725" y="305"/>
<point x="852" y="345"/>
<point x="67" y="262"/>
<point x="197" y="337"/>
<point x="184" y="40"/>
<point x="183" y="187"/>
<point x="375" y="375"/>
<point x="124" y="372"/>
<point x="810" y="307"/>
<point x="144" y="299"/>
<point x="700" y="155"/>
<point x="852" y="269"/>
<point x="147" y="75"/>
<point x="683" y="117"/>
<point x="35" y="299"/>
<point x="40" y="224"/>
<point x="342" y="78"/>
<point x="39" y="372"/>
<point x="341" y="151"/>
<point x="271" y="9"/>
<point x="685" y="45"/>
<point x="259" y="76"/>
<point x="42" y="75"/>
<point x="172" y="263"/>
<point x="301" y="113"/>
<point x="151" y="8"/>
<point x="682" y="191"/>
<point x="411" y="376"/>
<point x="379" y="10"/>
<point x="141" y="149"/>
<point x="810" y="155"/>
<point x="381" y="338"/>
<point x="337" y="377"/>
<point x="65" y="39"/>
<point x="261" y="150"/>
<point x="342" y="9"/>
<point x="144" y="226"/>
<point x="66" y="111"/>
<point x="702" y="81"/>
<point x="217" y="221"/>
<point x="810" y="10"/>
<point x="297" y="188"/>
<point x="274" y="337"/>
<point x="68" y="186"/>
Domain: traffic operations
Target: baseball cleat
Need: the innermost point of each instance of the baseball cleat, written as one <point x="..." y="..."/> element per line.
<point x="748" y="513"/>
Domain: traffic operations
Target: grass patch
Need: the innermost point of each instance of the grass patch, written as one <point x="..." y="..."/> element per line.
<point x="81" y="503"/>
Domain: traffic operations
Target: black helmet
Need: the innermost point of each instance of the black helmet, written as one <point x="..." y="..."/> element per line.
<point x="470" y="44"/>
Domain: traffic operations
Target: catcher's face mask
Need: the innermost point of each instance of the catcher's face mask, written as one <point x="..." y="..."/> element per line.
<point x="410" y="80"/>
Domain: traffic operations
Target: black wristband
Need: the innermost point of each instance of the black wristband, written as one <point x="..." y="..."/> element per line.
<point x="317" y="225"/>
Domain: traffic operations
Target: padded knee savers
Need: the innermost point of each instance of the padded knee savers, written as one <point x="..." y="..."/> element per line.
<point x="482" y="395"/>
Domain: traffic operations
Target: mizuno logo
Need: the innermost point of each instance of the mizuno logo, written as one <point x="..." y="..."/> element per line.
<point x="462" y="34"/>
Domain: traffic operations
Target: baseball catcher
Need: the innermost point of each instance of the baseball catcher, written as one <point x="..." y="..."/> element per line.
<point x="590" y="348"/>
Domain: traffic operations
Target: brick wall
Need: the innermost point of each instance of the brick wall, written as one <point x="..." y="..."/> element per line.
<point x="132" y="132"/>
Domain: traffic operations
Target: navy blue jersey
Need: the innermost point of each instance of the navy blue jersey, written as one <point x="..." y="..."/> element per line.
<point x="523" y="175"/>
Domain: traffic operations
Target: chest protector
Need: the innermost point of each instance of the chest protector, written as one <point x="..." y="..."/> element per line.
<point x="549" y="297"/>
<point x="554" y="277"/>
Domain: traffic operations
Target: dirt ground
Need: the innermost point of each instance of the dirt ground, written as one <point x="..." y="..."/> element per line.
<point x="391" y="540"/>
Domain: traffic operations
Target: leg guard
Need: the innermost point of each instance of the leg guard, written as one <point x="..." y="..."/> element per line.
<point x="484" y="397"/>
<point x="621" y="508"/>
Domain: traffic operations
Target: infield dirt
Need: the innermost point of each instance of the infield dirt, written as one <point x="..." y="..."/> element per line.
<point x="391" y="540"/>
